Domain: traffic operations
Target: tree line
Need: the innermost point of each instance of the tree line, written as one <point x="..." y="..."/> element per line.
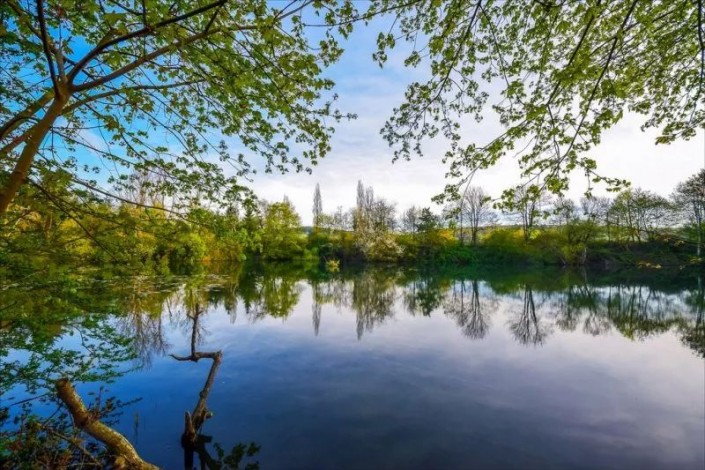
<point x="51" y="229"/>
<point x="632" y="216"/>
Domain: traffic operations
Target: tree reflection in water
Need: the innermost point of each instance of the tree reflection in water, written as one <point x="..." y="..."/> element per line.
<point x="112" y="323"/>
<point x="636" y="311"/>
<point x="527" y="326"/>
<point x="193" y="441"/>
<point x="142" y="320"/>
<point x="372" y="298"/>
<point x="471" y="311"/>
<point x="694" y="335"/>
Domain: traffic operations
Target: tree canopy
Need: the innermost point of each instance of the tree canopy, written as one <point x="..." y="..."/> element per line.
<point x="556" y="74"/>
<point x="157" y="87"/>
<point x="105" y="89"/>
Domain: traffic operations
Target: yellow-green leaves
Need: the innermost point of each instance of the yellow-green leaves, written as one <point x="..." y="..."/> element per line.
<point x="555" y="75"/>
<point x="162" y="85"/>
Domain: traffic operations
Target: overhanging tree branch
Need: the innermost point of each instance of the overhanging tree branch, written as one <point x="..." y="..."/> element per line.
<point x="142" y="60"/>
<point x="145" y="31"/>
<point x="46" y="46"/>
<point x="117" y="91"/>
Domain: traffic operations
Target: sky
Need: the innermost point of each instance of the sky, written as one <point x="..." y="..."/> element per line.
<point x="360" y="153"/>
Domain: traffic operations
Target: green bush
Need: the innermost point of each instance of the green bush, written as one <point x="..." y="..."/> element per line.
<point x="506" y="245"/>
<point x="385" y="249"/>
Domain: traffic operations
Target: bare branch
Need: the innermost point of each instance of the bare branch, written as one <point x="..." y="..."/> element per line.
<point x="46" y="46"/>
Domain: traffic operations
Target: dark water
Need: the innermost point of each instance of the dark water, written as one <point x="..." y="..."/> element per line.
<point x="380" y="368"/>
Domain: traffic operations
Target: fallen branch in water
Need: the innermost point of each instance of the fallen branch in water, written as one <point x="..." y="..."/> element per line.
<point x="196" y="356"/>
<point x="191" y="440"/>
<point x="194" y="421"/>
<point x="126" y="455"/>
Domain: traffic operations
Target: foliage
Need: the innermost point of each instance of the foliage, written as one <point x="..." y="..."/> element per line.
<point x="332" y="265"/>
<point x="555" y="74"/>
<point x="384" y="249"/>
<point x="427" y="221"/>
<point x="281" y="235"/>
<point x="156" y="80"/>
<point x="506" y="245"/>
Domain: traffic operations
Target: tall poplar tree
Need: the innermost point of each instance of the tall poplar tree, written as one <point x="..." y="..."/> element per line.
<point x="317" y="206"/>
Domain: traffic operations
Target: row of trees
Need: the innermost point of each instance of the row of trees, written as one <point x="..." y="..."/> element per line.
<point x="634" y="215"/>
<point x="52" y="226"/>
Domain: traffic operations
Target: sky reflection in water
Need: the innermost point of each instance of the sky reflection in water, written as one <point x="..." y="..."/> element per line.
<point x="388" y="370"/>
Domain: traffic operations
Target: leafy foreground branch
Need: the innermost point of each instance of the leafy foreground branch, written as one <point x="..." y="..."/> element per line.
<point x="126" y="455"/>
<point x="164" y="84"/>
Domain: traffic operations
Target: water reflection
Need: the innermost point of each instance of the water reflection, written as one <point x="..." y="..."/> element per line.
<point x="193" y="441"/>
<point x="138" y="307"/>
<point x="141" y="318"/>
<point x="471" y="311"/>
<point x="95" y="332"/>
<point x="528" y="326"/>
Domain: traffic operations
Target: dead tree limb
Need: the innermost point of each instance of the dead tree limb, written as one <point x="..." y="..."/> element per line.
<point x="126" y="455"/>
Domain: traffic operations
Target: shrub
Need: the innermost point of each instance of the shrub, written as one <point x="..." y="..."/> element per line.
<point x="384" y="249"/>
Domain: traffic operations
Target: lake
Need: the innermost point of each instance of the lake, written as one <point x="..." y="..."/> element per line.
<point x="375" y="368"/>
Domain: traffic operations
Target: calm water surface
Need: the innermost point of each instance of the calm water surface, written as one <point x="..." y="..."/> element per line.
<point x="387" y="369"/>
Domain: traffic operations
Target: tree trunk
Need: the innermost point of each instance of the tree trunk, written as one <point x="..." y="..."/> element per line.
<point x="126" y="455"/>
<point x="699" y="223"/>
<point x="24" y="163"/>
<point x="25" y="114"/>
